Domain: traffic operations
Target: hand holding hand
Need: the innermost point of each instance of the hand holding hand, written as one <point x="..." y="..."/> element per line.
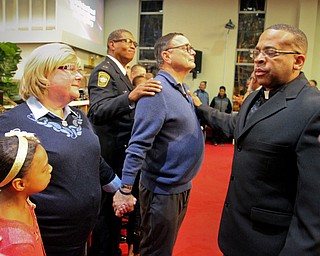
<point x="149" y="88"/>
<point x="123" y="203"/>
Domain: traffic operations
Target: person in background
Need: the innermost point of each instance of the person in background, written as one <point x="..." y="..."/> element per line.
<point x="112" y="107"/>
<point x="202" y="94"/>
<point x="128" y="70"/>
<point x="252" y="85"/>
<point x="272" y="205"/>
<point x="149" y="75"/>
<point x="67" y="209"/>
<point x="24" y="170"/>
<point x="313" y="82"/>
<point x="223" y="104"/>
<point x="138" y="80"/>
<point x="137" y="70"/>
<point x="204" y="97"/>
<point x="167" y="145"/>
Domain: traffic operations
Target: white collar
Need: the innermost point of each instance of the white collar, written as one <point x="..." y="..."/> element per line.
<point x="38" y="110"/>
<point x="123" y="70"/>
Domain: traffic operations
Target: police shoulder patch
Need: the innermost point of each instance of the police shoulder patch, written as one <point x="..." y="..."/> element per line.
<point x="103" y="79"/>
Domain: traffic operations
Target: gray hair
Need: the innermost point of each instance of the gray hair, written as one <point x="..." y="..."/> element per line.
<point x="162" y="44"/>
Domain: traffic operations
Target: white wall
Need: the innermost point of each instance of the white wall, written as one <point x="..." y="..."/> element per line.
<point x="308" y="22"/>
<point x="315" y="71"/>
<point x="203" y="23"/>
<point x="122" y="14"/>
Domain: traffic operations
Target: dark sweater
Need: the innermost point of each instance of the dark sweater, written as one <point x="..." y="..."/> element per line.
<point x="167" y="143"/>
<point x="67" y="209"/>
<point x="223" y="104"/>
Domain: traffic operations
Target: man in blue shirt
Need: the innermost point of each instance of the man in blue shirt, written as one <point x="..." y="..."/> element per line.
<point x="167" y="145"/>
<point x="204" y="98"/>
<point x="202" y="94"/>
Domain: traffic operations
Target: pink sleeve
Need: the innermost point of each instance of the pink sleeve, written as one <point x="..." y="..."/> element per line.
<point x="18" y="250"/>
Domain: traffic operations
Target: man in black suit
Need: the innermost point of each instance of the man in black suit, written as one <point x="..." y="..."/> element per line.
<point x="272" y="205"/>
<point x="112" y="104"/>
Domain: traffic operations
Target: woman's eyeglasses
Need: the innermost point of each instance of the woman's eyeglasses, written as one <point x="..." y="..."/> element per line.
<point x="71" y="69"/>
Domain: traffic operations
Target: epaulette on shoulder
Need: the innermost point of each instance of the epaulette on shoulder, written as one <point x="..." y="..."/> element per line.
<point x="106" y="65"/>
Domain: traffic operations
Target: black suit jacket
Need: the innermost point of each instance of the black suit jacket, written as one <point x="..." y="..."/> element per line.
<point x="272" y="205"/>
<point x="109" y="111"/>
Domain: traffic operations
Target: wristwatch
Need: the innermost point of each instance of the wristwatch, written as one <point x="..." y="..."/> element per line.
<point x="126" y="186"/>
<point x="125" y="189"/>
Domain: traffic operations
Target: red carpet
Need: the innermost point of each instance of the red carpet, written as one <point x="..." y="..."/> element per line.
<point x="198" y="235"/>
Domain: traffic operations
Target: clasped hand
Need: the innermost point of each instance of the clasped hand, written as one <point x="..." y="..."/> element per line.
<point x="123" y="203"/>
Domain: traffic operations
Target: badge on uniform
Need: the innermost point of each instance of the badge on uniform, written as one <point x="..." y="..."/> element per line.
<point x="103" y="79"/>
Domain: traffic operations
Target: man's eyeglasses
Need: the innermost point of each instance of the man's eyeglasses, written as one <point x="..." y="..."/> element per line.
<point x="128" y="41"/>
<point x="71" y="69"/>
<point x="270" y="53"/>
<point x="186" y="47"/>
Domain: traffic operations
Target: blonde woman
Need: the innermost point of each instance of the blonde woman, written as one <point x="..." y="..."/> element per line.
<point x="67" y="209"/>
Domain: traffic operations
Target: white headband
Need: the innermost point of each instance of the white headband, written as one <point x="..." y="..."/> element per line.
<point x="21" y="154"/>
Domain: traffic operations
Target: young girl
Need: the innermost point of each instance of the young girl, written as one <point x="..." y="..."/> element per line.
<point x="24" y="170"/>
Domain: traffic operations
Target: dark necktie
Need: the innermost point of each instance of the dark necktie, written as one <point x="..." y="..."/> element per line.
<point x="261" y="100"/>
<point x="264" y="96"/>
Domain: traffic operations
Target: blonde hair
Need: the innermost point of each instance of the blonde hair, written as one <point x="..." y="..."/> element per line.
<point x="41" y="62"/>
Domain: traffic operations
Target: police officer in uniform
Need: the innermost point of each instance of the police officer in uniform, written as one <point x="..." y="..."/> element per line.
<point x="112" y="104"/>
